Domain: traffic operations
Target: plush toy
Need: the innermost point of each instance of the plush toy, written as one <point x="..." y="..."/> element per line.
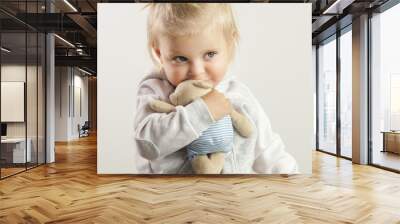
<point x="207" y="153"/>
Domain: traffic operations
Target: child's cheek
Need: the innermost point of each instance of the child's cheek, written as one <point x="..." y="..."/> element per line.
<point x="179" y="76"/>
<point x="219" y="73"/>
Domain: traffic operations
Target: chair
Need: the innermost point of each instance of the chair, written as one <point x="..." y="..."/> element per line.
<point x="84" y="130"/>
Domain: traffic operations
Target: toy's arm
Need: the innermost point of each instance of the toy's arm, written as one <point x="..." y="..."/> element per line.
<point x="158" y="135"/>
<point x="161" y="106"/>
<point x="241" y="123"/>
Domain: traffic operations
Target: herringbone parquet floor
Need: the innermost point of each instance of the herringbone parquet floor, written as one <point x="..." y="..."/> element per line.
<point x="70" y="191"/>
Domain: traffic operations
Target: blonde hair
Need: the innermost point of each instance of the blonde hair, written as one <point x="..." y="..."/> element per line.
<point x="185" y="19"/>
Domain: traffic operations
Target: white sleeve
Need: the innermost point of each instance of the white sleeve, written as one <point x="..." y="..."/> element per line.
<point x="160" y="134"/>
<point x="270" y="154"/>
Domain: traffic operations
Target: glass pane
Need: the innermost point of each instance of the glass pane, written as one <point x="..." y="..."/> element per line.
<point x="31" y="101"/>
<point x="22" y="63"/>
<point x="31" y="84"/>
<point x="327" y="97"/>
<point x="346" y="94"/>
<point x="314" y="71"/>
<point x="41" y="98"/>
<point x="386" y="89"/>
<point x="394" y="101"/>
<point x="13" y="87"/>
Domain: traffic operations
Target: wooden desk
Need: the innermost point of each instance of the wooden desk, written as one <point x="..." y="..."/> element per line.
<point x="391" y="141"/>
<point x="13" y="150"/>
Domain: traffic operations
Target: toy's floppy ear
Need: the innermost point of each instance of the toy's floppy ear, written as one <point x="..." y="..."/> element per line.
<point x="203" y="84"/>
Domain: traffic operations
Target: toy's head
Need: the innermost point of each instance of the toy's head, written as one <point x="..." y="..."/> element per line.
<point x="189" y="90"/>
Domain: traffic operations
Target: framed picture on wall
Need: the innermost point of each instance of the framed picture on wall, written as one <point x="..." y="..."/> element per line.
<point x="12" y="101"/>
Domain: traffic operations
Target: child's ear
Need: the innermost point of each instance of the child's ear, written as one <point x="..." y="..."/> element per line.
<point x="157" y="53"/>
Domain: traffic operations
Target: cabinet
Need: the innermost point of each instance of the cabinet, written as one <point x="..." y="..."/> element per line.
<point x="391" y="141"/>
<point x="13" y="150"/>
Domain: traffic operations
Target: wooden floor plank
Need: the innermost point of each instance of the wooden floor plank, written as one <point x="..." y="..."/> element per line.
<point x="70" y="191"/>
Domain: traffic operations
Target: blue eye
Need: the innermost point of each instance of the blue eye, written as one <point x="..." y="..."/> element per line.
<point x="211" y="54"/>
<point x="179" y="59"/>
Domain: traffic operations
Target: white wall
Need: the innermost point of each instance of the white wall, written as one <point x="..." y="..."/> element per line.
<point x="80" y="83"/>
<point x="274" y="60"/>
<point x="61" y="103"/>
<point x="69" y="79"/>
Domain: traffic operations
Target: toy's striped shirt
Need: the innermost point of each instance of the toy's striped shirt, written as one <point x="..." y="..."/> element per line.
<point x="217" y="138"/>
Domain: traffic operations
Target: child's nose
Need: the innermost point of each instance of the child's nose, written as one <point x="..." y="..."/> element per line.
<point x="197" y="71"/>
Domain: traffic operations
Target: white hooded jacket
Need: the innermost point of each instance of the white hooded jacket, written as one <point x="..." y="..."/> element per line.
<point x="161" y="138"/>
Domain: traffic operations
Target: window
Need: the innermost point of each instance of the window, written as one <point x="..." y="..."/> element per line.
<point x="327" y="96"/>
<point x="346" y="93"/>
<point x="395" y="102"/>
<point x="385" y="88"/>
<point x="22" y="63"/>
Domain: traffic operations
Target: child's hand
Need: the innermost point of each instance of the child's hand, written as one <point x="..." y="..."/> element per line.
<point x="218" y="105"/>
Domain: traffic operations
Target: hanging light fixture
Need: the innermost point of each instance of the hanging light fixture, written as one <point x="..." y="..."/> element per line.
<point x="70" y="5"/>
<point x="64" y="40"/>
<point x="5" y="50"/>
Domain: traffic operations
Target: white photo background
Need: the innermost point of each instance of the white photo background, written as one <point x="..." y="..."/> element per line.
<point x="273" y="59"/>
